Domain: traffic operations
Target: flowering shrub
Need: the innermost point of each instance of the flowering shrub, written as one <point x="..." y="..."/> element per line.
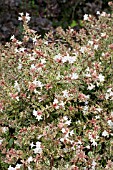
<point x="56" y="98"/>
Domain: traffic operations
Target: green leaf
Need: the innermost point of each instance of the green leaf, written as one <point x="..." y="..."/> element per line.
<point x="73" y="24"/>
<point x="11" y="141"/>
<point x="90" y="154"/>
<point x="98" y="148"/>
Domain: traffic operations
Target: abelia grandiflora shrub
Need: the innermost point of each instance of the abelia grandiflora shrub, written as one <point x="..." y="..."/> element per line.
<point x="56" y="98"/>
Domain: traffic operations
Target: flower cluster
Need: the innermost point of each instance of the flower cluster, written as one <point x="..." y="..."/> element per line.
<point x="56" y="98"/>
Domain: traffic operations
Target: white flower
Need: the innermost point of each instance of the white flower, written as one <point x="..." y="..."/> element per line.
<point x="71" y="30"/>
<point x="19" y="66"/>
<point x="34" y="40"/>
<point x="32" y="145"/>
<point x="105" y="133"/>
<point x="35" y="82"/>
<point x="58" y="76"/>
<point x="79" y="142"/>
<point x="91" y="86"/>
<point x="55" y="104"/>
<point x="16" y="50"/>
<point x="21" y="14"/>
<point x="43" y="61"/>
<point x="19" y="42"/>
<point x="87" y="97"/>
<point x="27" y="17"/>
<point x="38" y="148"/>
<point x="93" y="165"/>
<point x="74" y="76"/>
<point x="87" y="69"/>
<point x="32" y="58"/>
<point x="69" y="59"/>
<point x="39" y="117"/>
<point x="4" y="129"/>
<point x="111" y="114"/>
<point x="88" y="146"/>
<point x="78" y="122"/>
<point x="62" y="139"/>
<point x="109" y="90"/>
<point x="103" y="14"/>
<point x="22" y="49"/>
<point x="39" y="84"/>
<point x="82" y="49"/>
<point x="88" y="75"/>
<point x="63" y="130"/>
<point x="30" y="159"/>
<point x="12" y="37"/>
<point x="110" y="123"/>
<point x="86" y="17"/>
<point x="46" y="42"/>
<point x="99" y="109"/>
<point x="16" y="86"/>
<point x="1" y="141"/>
<point x="101" y="78"/>
<point x="86" y="102"/>
<point x="103" y="54"/>
<point x="90" y="42"/>
<point x="96" y="46"/>
<point x="71" y="132"/>
<point x="97" y="117"/>
<point x="72" y="59"/>
<point x="18" y="166"/>
<point x="34" y="112"/>
<point x="94" y="143"/>
<point x="107" y="96"/>
<point x="68" y="122"/>
<point x="33" y="66"/>
<point x="61" y="104"/>
<point x="111" y="93"/>
<point x="39" y="136"/>
<point x="64" y="59"/>
<point x="67" y="166"/>
<point x="65" y="138"/>
<point x="55" y="101"/>
<point x="20" y="18"/>
<point x="85" y="109"/>
<point x="17" y="98"/>
<point x="38" y="144"/>
<point x="65" y="93"/>
<point x="103" y="34"/>
<point x="67" y="135"/>
<point x="65" y="118"/>
<point x="98" y="12"/>
<point x="11" y="168"/>
<point x="58" y="57"/>
<point x="29" y="168"/>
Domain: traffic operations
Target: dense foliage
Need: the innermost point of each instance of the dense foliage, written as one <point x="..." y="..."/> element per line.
<point x="56" y="98"/>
